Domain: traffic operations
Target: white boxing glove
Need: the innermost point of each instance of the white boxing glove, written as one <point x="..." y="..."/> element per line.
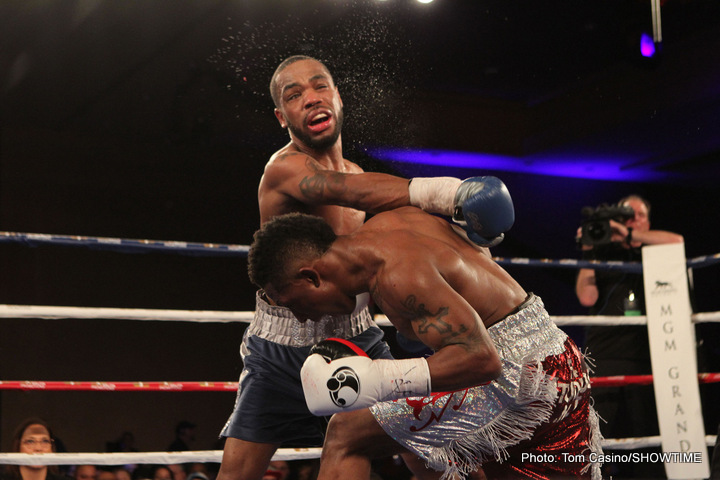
<point x="352" y="383"/>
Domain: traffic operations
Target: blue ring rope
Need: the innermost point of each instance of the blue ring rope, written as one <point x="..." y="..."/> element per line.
<point x="126" y="245"/>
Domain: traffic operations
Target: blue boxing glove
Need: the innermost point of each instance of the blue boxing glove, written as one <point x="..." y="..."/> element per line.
<point x="484" y="208"/>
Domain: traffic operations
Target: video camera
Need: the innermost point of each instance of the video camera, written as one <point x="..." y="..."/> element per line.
<point x="596" y="228"/>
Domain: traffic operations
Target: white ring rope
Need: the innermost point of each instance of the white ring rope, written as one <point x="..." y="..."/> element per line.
<point x="131" y="458"/>
<point x="56" y="313"/>
<point x="210" y="316"/>
<point x="215" y="456"/>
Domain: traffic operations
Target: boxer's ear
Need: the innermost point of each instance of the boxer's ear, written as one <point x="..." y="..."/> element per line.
<point x="281" y="118"/>
<point x="310" y="275"/>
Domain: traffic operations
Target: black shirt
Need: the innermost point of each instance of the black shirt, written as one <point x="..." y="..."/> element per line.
<point x="618" y="343"/>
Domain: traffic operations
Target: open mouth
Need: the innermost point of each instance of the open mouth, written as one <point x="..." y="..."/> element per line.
<point x="319" y="122"/>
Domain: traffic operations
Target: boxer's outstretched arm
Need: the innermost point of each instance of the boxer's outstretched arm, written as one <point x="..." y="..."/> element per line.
<point x="297" y="177"/>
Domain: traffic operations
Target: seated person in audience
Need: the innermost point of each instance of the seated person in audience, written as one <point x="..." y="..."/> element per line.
<point x="85" y="472"/>
<point x="33" y="436"/>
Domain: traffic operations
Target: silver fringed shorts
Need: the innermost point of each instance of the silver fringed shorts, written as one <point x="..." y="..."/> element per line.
<point x="544" y="379"/>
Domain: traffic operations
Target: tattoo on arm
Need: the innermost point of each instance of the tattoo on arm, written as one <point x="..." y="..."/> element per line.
<point x="427" y="319"/>
<point x="314" y="187"/>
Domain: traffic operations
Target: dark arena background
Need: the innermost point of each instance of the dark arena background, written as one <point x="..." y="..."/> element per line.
<point x="151" y="119"/>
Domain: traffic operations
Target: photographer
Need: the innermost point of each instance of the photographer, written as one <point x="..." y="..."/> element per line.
<point x="624" y="242"/>
<point x="617" y="234"/>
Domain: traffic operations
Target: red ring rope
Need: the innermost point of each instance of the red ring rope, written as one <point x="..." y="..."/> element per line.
<point x="598" y="382"/>
<point x="119" y="386"/>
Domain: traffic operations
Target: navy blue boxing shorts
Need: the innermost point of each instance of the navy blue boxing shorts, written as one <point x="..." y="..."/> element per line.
<point x="270" y="405"/>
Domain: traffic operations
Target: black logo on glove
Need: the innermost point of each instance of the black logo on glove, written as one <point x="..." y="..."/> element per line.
<point x="344" y="387"/>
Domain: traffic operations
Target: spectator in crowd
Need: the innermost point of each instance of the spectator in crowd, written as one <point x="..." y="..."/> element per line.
<point x="124" y="443"/>
<point x="184" y="437"/>
<point x="178" y="471"/>
<point x="162" y="472"/>
<point x="105" y="474"/>
<point x="85" y="472"/>
<point x="277" y="470"/>
<point x="122" y="473"/>
<point x="306" y="469"/>
<point x="33" y="436"/>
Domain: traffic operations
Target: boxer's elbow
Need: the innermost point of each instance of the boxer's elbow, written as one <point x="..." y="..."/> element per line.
<point x="490" y="366"/>
<point x="484" y="366"/>
<point x="456" y="367"/>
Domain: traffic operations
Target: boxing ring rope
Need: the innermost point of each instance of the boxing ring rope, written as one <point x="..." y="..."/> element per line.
<point x="99" y="386"/>
<point x="208" y="316"/>
<point x="126" y="245"/>
<point x="209" y="249"/>
<point x="215" y="456"/>
<point x="133" y="458"/>
<point x="57" y="313"/>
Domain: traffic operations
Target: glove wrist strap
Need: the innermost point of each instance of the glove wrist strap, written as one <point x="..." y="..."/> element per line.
<point x="434" y="194"/>
<point x="403" y="378"/>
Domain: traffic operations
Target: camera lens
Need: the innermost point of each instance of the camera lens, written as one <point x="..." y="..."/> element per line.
<point x="596" y="231"/>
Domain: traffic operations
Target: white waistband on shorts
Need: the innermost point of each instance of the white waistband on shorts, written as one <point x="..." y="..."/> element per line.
<point x="528" y="333"/>
<point x="279" y="325"/>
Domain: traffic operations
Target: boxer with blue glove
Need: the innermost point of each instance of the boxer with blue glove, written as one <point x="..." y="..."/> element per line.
<point x="309" y="174"/>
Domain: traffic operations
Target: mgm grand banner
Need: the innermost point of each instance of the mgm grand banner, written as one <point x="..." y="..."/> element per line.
<point x="674" y="361"/>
